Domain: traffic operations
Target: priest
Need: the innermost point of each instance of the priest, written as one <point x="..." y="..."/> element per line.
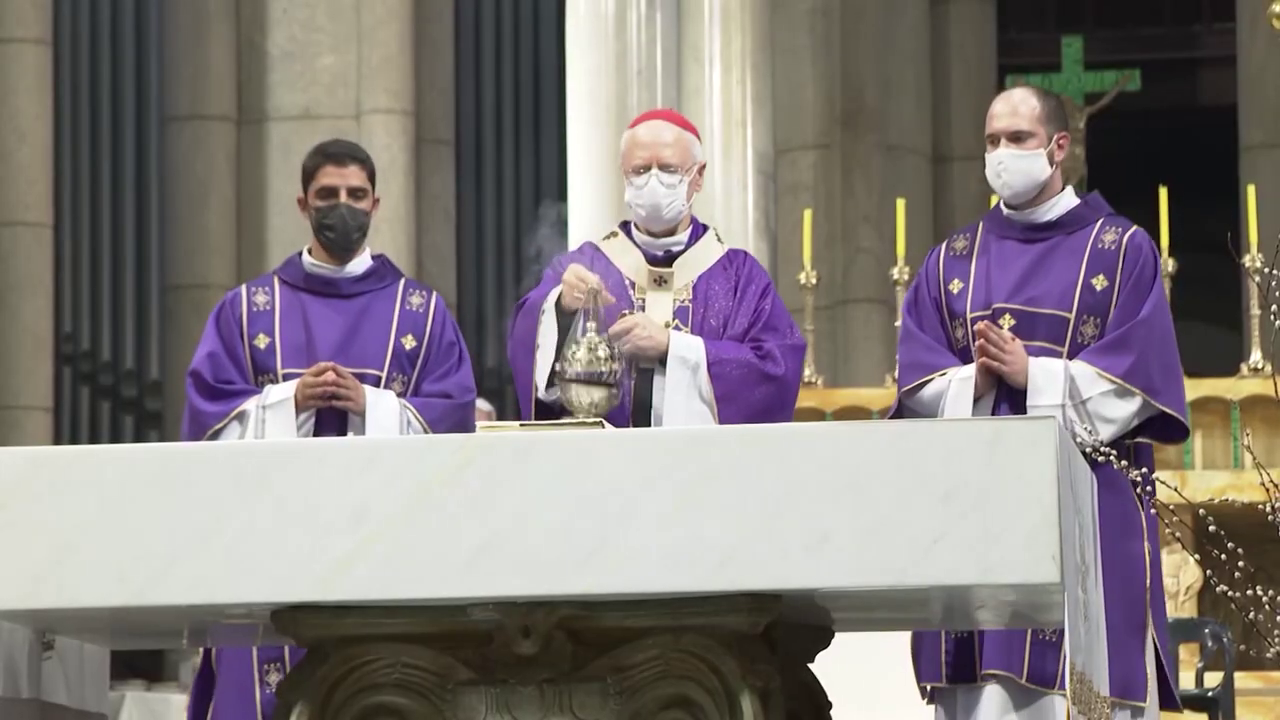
<point x="706" y="337"/>
<point x="1051" y="304"/>
<point x="335" y="341"/>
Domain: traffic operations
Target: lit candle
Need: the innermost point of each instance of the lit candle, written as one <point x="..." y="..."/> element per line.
<point x="994" y="199"/>
<point x="1164" y="222"/>
<point x="1251" y="215"/>
<point x="806" y="239"/>
<point x="900" y="243"/>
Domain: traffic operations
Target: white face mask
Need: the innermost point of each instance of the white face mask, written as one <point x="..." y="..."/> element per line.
<point x="658" y="203"/>
<point x="1017" y="175"/>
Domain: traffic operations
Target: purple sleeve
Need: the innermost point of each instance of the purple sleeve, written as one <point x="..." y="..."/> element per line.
<point x="757" y="363"/>
<point x="924" y="344"/>
<point x="1139" y="349"/>
<point x="218" y="380"/>
<point x="444" y="395"/>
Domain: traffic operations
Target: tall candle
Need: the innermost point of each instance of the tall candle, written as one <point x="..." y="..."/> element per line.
<point x="994" y="199"/>
<point x="900" y="238"/>
<point x="1164" y="222"/>
<point x="1251" y="215"/>
<point x="806" y="239"/>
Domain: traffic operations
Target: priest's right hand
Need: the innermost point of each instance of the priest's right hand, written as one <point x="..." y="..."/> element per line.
<point x="316" y="387"/>
<point x="574" y="285"/>
<point x="984" y="382"/>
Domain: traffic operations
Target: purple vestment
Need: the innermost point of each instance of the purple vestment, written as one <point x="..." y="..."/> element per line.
<point x="1085" y="287"/>
<point x="755" y="352"/>
<point x="389" y="331"/>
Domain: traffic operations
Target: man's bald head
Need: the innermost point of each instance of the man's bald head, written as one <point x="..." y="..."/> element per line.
<point x="1027" y="117"/>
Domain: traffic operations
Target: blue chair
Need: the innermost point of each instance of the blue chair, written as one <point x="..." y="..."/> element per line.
<point x="1218" y="702"/>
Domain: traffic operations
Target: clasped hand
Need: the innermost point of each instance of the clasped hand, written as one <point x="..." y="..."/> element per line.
<point x="637" y="336"/>
<point x="998" y="353"/>
<point x="329" y="385"/>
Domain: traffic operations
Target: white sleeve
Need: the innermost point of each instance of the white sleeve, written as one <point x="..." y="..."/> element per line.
<point x="685" y="397"/>
<point x="385" y="415"/>
<point x="544" y="357"/>
<point x="950" y="395"/>
<point x="269" y="415"/>
<point x="1110" y="409"/>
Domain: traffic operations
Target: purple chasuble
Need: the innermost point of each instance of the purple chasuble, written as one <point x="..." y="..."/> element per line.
<point x="388" y="330"/>
<point x="1085" y="287"/>
<point x="755" y="352"/>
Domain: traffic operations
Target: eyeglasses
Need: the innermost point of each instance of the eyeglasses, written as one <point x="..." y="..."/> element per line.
<point x="669" y="176"/>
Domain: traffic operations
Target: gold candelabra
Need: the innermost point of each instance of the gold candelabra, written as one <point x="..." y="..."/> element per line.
<point x="1257" y="363"/>
<point x="900" y="274"/>
<point x="1168" y="268"/>
<point x="809" y="285"/>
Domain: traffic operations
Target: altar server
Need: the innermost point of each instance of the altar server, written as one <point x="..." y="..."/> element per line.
<point x="1051" y="304"/>
<point x="700" y="323"/>
<point x="334" y="341"/>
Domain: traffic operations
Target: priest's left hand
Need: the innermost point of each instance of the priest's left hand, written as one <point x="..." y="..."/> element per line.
<point x="640" y="337"/>
<point x="1001" y="352"/>
<point x="348" y="393"/>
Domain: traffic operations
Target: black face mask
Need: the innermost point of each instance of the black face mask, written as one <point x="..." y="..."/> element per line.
<point x="340" y="228"/>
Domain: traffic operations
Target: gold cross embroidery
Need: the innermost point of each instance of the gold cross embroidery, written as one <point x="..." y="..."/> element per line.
<point x="399" y="383"/>
<point x="408" y="342"/>
<point x="261" y="299"/>
<point x="1006" y="321"/>
<point x="958" y="332"/>
<point x="1100" y="282"/>
<point x="272" y="674"/>
<point x="262" y="341"/>
<point x="417" y="300"/>
<point x="1090" y="327"/>
<point x="956" y="286"/>
<point x="1109" y="238"/>
<point x="959" y="245"/>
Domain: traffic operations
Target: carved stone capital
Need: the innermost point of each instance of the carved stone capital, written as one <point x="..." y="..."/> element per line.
<point x="703" y="659"/>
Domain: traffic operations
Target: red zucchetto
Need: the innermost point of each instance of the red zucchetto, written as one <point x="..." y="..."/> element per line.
<point x="669" y="116"/>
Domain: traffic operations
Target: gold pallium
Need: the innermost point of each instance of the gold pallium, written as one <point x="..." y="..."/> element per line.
<point x="408" y="342"/>
<point x="262" y="341"/>
<point x="1006" y="321"/>
<point x="956" y="286"/>
<point x="1100" y="282"/>
<point x="417" y="300"/>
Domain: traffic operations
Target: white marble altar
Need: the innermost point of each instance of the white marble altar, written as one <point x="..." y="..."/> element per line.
<point x="808" y="511"/>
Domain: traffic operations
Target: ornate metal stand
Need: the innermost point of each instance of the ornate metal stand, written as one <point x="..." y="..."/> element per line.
<point x="901" y="276"/>
<point x="809" y="286"/>
<point x="1168" y="268"/>
<point x="1257" y="363"/>
<point x="722" y="658"/>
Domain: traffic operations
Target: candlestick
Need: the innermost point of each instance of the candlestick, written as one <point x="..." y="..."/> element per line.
<point x="900" y="275"/>
<point x="808" y="286"/>
<point x="806" y="239"/>
<point x="900" y="226"/>
<point x="1168" y="268"/>
<point x="1164" y="221"/>
<point x="1251" y="215"/>
<point x="1256" y="364"/>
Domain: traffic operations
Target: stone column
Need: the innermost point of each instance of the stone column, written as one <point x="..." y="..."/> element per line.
<point x="200" y="109"/>
<point x="726" y="89"/>
<point x="311" y="70"/>
<point x="26" y="223"/>
<point x="803" y="133"/>
<point x="437" y="160"/>
<point x="1258" y="113"/>
<point x="622" y="57"/>
<point x="964" y="81"/>
<point x="885" y="151"/>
